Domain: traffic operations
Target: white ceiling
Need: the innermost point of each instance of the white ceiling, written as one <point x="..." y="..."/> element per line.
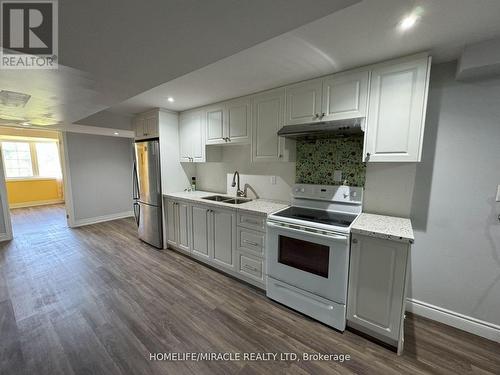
<point x="364" y="33"/>
<point x="112" y="50"/>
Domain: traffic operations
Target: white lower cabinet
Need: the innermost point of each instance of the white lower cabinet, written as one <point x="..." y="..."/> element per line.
<point x="200" y="228"/>
<point x="221" y="237"/>
<point x="377" y="287"/>
<point x="178" y="224"/>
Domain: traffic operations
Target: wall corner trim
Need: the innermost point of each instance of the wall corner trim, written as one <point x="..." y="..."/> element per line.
<point x="100" y="219"/>
<point x="466" y="323"/>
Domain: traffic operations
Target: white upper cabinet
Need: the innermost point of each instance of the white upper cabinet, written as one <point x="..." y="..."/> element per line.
<point x="396" y="114"/>
<point x="303" y="102"/>
<point x="215" y="118"/>
<point x="267" y="118"/>
<point x="345" y="95"/>
<point x="237" y="129"/>
<point x="228" y="122"/>
<point x="146" y="125"/>
<point x="191" y="137"/>
<point x="390" y="96"/>
<point x="336" y="97"/>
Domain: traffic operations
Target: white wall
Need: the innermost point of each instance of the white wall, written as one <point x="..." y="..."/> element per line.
<point x="216" y="176"/>
<point x="389" y="188"/>
<point x="455" y="262"/>
<point x="175" y="176"/>
<point x="100" y="176"/>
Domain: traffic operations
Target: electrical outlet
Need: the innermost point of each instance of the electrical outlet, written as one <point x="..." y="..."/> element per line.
<point x="337" y="176"/>
<point x="273" y="180"/>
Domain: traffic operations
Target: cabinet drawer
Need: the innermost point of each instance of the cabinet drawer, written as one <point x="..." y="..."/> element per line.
<point x="252" y="221"/>
<point x="251" y="240"/>
<point x="251" y="267"/>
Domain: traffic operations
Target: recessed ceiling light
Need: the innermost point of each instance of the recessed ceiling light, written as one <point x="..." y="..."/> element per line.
<point x="116" y="133"/>
<point x="26" y="123"/>
<point x="411" y="19"/>
<point x="170" y="99"/>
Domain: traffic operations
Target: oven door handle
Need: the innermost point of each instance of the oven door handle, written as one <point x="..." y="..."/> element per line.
<point x="315" y="234"/>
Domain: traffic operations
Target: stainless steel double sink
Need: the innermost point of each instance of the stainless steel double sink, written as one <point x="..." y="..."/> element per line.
<point x="224" y="199"/>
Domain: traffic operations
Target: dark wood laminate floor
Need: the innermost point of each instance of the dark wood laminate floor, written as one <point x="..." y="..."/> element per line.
<point x="95" y="300"/>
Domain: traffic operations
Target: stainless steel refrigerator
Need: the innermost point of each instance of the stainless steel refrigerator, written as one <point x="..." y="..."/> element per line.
<point x="147" y="192"/>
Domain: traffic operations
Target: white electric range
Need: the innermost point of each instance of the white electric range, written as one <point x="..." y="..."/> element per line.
<point x="308" y="251"/>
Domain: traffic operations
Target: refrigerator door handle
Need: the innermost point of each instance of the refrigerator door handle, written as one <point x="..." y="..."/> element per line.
<point x="135" y="182"/>
<point x="137" y="212"/>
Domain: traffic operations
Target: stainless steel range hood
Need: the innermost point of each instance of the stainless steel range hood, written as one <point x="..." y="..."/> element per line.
<point x="320" y="129"/>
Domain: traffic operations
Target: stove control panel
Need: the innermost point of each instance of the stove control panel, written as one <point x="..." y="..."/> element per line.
<point x="331" y="193"/>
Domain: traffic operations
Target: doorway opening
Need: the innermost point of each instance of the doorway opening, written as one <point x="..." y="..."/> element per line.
<point x="33" y="180"/>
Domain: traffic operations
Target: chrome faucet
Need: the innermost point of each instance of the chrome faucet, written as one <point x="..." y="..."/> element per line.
<point x="239" y="192"/>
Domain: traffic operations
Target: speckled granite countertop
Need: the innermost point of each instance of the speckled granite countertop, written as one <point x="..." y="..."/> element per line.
<point x="388" y="227"/>
<point x="256" y="206"/>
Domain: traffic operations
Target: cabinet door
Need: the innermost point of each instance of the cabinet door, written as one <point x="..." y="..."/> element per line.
<point x="197" y="136"/>
<point x="238" y="121"/>
<point x="345" y="95"/>
<point x="215" y="118"/>
<point x="376" y="284"/>
<point x="191" y="137"/>
<point x="185" y="145"/>
<point x="151" y="126"/>
<point x="139" y="123"/>
<point x="267" y="119"/>
<point x="200" y="229"/>
<point x="396" y="114"/>
<point x="183" y="226"/>
<point x="171" y="222"/>
<point x="224" y="237"/>
<point x="303" y="102"/>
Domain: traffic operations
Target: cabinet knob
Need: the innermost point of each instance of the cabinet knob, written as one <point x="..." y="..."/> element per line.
<point x="354" y="240"/>
<point x="280" y="156"/>
<point x="316" y="116"/>
<point x="367" y="156"/>
<point x="228" y="139"/>
<point x="323" y="114"/>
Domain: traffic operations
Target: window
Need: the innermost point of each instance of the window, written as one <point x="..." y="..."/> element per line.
<point x="47" y="156"/>
<point x="31" y="159"/>
<point x="17" y="159"/>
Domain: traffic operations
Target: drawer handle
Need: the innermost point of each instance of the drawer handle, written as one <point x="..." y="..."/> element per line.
<point x="251" y="243"/>
<point x="252" y="222"/>
<point x="255" y="269"/>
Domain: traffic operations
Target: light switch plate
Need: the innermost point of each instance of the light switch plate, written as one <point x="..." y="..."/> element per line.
<point x="498" y="193"/>
<point x="337" y="176"/>
<point x="273" y="180"/>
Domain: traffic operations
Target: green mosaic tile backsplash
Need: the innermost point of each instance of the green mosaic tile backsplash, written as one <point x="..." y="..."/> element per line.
<point x="317" y="159"/>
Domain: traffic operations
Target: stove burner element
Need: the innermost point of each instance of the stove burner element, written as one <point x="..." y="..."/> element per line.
<point x="318" y="216"/>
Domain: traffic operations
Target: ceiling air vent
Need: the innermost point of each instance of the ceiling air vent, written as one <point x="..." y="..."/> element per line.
<point x="13" y="99"/>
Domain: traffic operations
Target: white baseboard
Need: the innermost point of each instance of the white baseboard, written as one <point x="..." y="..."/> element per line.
<point x="100" y="219"/>
<point x="5" y="237"/>
<point x="35" y="203"/>
<point x="466" y="323"/>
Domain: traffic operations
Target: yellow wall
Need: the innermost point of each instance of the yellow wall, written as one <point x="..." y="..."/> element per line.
<point x="34" y="191"/>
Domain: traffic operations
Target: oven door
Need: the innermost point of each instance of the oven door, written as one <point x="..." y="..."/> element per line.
<point x="312" y="261"/>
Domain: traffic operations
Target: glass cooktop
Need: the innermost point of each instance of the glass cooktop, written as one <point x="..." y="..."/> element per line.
<point x="317" y="216"/>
